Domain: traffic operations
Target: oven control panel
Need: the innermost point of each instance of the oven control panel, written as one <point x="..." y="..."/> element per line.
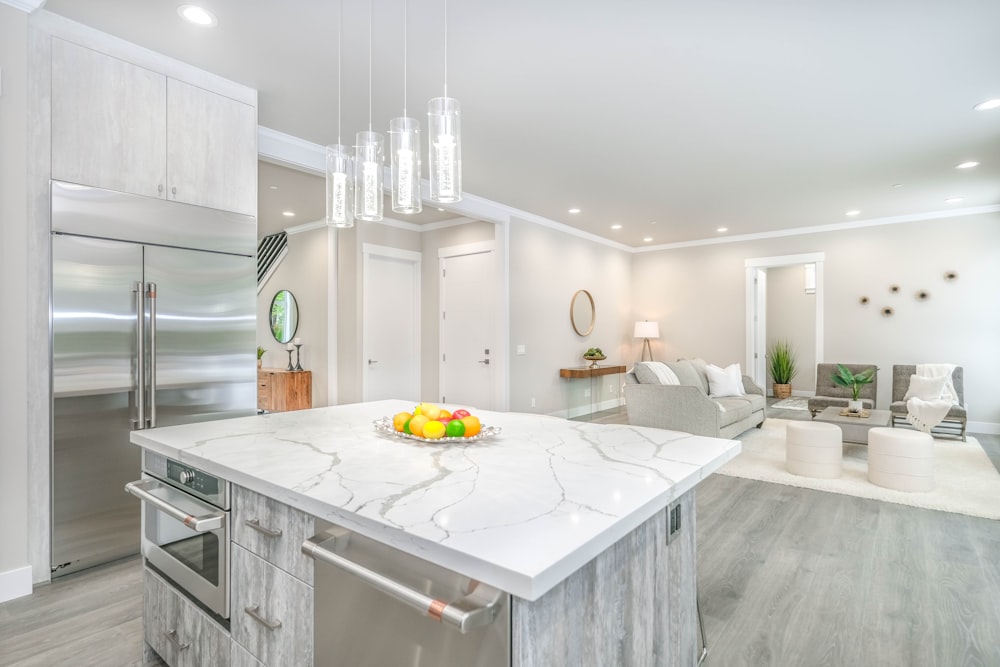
<point x="208" y="487"/>
<point x="193" y="478"/>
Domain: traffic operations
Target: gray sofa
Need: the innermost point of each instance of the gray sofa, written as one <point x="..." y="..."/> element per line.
<point x="955" y="421"/>
<point x="687" y="406"/>
<point x="829" y="394"/>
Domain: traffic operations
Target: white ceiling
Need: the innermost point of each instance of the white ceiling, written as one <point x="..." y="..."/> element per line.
<point x="756" y="116"/>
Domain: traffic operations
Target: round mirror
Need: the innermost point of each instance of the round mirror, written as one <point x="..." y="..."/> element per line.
<point x="582" y="313"/>
<point x="284" y="316"/>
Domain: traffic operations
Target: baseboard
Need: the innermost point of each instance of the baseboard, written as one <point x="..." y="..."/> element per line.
<point x="15" y="583"/>
<point x="986" y="428"/>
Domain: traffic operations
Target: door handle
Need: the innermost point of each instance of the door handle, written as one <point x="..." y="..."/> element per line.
<point x="485" y="361"/>
<point x="372" y="362"/>
<point x="151" y="296"/>
<point x="140" y="365"/>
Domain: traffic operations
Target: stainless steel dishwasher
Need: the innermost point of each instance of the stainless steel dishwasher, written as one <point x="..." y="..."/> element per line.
<point x="376" y="606"/>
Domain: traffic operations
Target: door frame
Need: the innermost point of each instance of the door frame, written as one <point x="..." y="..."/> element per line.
<point x="368" y="251"/>
<point x="756" y="321"/>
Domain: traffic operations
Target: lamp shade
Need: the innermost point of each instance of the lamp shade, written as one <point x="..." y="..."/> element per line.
<point x="647" y="329"/>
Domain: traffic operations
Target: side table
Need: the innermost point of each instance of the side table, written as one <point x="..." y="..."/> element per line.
<point x="594" y="375"/>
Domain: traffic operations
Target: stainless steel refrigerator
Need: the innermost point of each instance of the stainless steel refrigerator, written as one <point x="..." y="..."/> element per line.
<point x="153" y="324"/>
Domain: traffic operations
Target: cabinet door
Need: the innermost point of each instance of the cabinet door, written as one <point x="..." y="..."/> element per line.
<point x="211" y="149"/>
<point x="179" y="632"/>
<point x="108" y="121"/>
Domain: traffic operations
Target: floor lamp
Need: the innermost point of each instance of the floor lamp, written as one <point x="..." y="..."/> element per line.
<point x="647" y="330"/>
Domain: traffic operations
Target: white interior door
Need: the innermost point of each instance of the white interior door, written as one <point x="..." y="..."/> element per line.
<point x="468" y="328"/>
<point x="760" y="328"/>
<point x="391" y="324"/>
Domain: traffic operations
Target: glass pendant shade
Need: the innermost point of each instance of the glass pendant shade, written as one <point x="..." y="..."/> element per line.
<point x="444" y="142"/>
<point x="404" y="147"/>
<point x="368" y="157"/>
<point x="339" y="187"/>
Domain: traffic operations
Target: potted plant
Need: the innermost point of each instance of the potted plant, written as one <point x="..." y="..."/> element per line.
<point x="260" y="356"/>
<point x="854" y="381"/>
<point x="594" y="355"/>
<point x="781" y="366"/>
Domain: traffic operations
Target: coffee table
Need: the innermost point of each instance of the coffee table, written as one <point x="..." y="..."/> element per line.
<point x="855" y="429"/>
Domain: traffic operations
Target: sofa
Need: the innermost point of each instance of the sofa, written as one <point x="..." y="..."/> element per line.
<point x="689" y="405"/>
<point x="830" y="394"/>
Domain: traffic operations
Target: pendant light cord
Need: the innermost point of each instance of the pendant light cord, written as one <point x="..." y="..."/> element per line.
<point x="340" y="57"/>
<point x="404" y="58"/>
<point x="446" y="48"/>
<point x="371" y="20"/>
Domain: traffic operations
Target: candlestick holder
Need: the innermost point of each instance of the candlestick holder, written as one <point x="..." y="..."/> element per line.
<point x="298" y="357"/>
<point x="290" y="367"/>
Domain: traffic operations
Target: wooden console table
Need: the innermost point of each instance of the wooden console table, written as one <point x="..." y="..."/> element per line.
<point x="595" y="391"/>
<point x="282" y="391"/>
<point x="588" y="372"/>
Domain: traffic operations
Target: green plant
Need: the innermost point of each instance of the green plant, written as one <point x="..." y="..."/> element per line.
<point x="260" y="352"/>
<point x="845" y="378"/>
<point x="593" y="352"/>
<point x="781" y="362"/>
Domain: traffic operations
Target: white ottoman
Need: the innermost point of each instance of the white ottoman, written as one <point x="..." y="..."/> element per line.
<point x="814" y="449"/>
<point x="901" y="459"/>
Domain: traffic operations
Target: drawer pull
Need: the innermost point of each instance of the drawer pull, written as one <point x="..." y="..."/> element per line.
<point x="255" y="524"/>
<point x="172" y="638"/>
<point x="253" y="612"/>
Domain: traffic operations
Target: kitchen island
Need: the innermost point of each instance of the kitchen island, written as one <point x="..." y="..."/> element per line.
<point x="588" y="527"/>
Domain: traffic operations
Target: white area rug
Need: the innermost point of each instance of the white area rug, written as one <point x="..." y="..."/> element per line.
<point x="966" y="480"/>
<point x="793" y="403"/>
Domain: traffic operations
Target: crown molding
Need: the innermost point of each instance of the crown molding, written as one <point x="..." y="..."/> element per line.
<point x="26" y="6"/>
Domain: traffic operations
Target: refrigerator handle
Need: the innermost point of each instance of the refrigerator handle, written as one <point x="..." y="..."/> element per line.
<point x="151" y="296"/>
<point x="140" y="365"/>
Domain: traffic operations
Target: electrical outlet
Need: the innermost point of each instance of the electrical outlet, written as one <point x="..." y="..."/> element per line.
<point x="532" y="401"/>
<point x="521" y="350"/>
<point x="611" y="389"/>
<point x="586" y="392"/>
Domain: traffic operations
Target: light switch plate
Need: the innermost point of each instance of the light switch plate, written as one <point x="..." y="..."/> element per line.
<point x="521" y="350"/>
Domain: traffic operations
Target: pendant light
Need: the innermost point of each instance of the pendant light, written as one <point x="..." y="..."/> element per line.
<point x="368" y="155"/>
<point x="404" y="150"/>
<point x="444" y="139"/>
<point x="339" y="182"/>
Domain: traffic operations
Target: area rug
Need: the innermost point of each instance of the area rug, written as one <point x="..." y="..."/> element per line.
<point x="966" y="481"/>
<point x="793" y="403"/>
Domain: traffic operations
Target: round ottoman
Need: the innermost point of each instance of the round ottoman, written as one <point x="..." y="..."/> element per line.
<point x="901" y="459"/>
<point x="814" y="449"/>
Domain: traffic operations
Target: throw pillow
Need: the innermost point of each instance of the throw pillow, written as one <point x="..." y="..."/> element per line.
<point x="925" y="388"/>
<point x="726" y="381"/>
<point x="687" y="375"/>
<point x="654" y="372"/>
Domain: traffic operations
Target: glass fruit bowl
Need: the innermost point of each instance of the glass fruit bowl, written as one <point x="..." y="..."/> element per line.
<point x="384" y="427"/>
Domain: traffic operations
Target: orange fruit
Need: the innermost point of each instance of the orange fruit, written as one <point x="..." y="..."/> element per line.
<point x="472" y="425"/>
<point x="417" y="423"/>
<point x="433" y="430"/>
<point x="399" y="421"/>
<point x="430" y="410"/>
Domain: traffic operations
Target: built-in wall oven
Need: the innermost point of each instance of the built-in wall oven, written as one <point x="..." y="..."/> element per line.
<point x="185" y="528"/>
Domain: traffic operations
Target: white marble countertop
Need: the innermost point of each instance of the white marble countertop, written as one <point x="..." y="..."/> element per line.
<point x="521" y="511"/>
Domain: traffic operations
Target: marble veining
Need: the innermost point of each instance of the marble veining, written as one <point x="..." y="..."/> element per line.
<point x="521" y="511"/>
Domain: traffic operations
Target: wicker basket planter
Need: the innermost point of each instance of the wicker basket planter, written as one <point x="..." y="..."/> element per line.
<point x="782" y="391"/>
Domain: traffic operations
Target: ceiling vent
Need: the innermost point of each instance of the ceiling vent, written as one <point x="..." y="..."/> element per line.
<point x="270" y="251"/>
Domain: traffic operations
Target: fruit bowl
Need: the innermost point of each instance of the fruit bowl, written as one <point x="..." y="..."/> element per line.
<point x="594" y="358"/>
<point x="384" y="426"/>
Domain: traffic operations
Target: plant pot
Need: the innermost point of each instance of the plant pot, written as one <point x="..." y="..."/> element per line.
<point x="855" y="406"/>
<point x="260" y="362"/>
<point x="782" y="391"/>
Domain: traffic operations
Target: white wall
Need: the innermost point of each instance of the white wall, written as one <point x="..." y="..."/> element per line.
<point x="701" y="295"/>
<point x="546" y="268"/>
<point x="15" y="574"/>
<point x="791" y="316"/>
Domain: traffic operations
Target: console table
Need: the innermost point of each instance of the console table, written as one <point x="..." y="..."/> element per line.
<point x="282" y="390"/>
<point x="594" y="374"/>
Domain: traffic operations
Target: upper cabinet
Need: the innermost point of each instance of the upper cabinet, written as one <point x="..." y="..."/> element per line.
<point x="123" y="127"/>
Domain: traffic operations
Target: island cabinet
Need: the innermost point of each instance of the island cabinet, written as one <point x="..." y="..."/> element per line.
<point x="271" y="619"/>
<point x="123" y="127"/>
<point x="177" y="630"/>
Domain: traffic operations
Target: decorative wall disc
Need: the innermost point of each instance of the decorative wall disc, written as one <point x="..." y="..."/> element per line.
<point x="893" y="289"/>
<point x="864" y="300"/>
<point x="951" y="275"/>
<point x="887" y="312"/>
<point x="922" y="295"/>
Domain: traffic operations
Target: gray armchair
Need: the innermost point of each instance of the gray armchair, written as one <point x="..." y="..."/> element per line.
<point x="830" y="394"/>
<point x="955" y="421"/>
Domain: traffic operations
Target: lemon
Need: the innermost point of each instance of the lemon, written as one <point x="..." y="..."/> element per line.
<point x="433" y="430"/>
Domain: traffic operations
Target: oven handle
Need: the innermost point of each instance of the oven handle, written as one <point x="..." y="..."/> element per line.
<point x="478" y="608"/>
<point x="200" y="524"/>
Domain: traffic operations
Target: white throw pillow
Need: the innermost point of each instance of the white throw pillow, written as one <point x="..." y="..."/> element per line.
<point x="726" y="381"/>
<point x="655" y="372"/>
<point x="925" y="388"/>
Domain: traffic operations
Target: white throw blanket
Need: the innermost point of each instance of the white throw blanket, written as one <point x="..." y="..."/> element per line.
<point x="926" y="413"/>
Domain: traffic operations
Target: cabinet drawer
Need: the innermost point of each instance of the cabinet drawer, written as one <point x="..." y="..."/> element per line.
<point x="240" y="657"/>
<point x="272" y="611"/>
<point x="256" y="519"/>
<point x="177" y="630"/>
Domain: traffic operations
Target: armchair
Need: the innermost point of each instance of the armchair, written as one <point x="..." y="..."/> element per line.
<point x="830" y="394"/>
<point x="955" y="421"/>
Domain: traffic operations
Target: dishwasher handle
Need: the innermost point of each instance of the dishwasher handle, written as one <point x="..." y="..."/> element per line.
<point x="477" y="609"/>
<point x="200" y="524"/>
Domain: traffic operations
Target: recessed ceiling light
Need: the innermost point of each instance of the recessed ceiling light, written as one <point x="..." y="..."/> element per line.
<point x="648" y="239"/>
<point x="574" y="210"/>
<point x="197" y="15"/>
<point x="987" y="105"/>
<point x="967" y="165"/>
<point x="853" y="212"/>
<point x="897" y="185"/>
<point x="272" y="187"/>
<point x="953" y="200"/>
<point x="722" y="229"/>
<point x="616" y="226"/>
<point x="288" y="214"/>
<point x="441" y="209"/>
<point x="652" y="222"/>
